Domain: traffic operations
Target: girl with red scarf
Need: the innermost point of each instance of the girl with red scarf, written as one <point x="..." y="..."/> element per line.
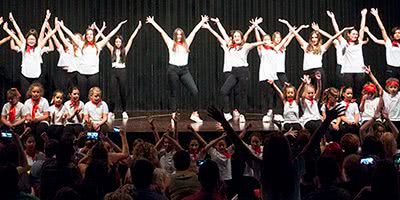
<point x="96" y="112"/>
<point x="351" y="118"/>
<point x="74" y="113"/>
<point x="32" y="47"/>
<point x="12" y="115"/>
<point x="57" y="116"/>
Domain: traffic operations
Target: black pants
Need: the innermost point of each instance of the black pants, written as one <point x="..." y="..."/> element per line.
<point x="282" y="79"/>
<point x="312" y="125"/>
<point x="339" y="76"/>
<point x="118" y="84"/>
<point x="392" y="72"/>
<point x="72" y="79"/>
<point x="294" y="126"/>
<point x="356" y="81"/>
<point x="267" y="96"/>
<point x="55" y="131"/>
<point x="347" y="128"/>
<point x="103" y="129"/>
<point x="25" y="82"/>
<point x="181" y="74"/>
<point x="37" y="130"/>
<point x="60" y="80"/>
<point x="239" y="76"/>
<point x="85" y="82"/>
<point x="74" y="129"/>
<point x="233" y="97"/>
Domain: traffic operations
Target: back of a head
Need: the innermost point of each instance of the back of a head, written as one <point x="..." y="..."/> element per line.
<point x="96" y="172"/>
<point x="327" y="169"/>
<point x="350" y="143"/>
<point x="8" y="182"/>
<point x="99" y="152"/>
<point x="389" y="145"/>
<point x="50" y="148"/>
<point x="354" y="170"/>
<point x="181" y="160"/>
<point x="67" y="193"/>
<point x="209" y="175"/>
<point x="142" y="173"/>
<point x="385" y="183"/>
<point x="117" y="196"/>
<point x="64" y="152"/>
<point x="372" y="146"/>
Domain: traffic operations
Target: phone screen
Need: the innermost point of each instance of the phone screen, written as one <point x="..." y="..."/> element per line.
<point x="92" y="135"/>
<point x="367" y="161"/>
<point x="6" y="134"/>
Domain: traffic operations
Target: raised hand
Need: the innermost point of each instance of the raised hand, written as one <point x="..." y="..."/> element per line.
<point x="139" y="24"/>
<point x="270" y="81"/>
<point x="364" y="12"/>
<point x="149" y="19"/>
<point x="330" y="14"/>
<point x="5" y="26"/>
<point x="123" y="22"/>
<point x="304" y="26"/>
<point x="283" y="21"/>
<point x="258" y="20"/>
<point x="206" y="26"/>
<point x="374" y="12"/>
<point x="218" y="115"/>
<point x="366" y="29"/>
<point x="48" y="15"/>
<point x="367" y="69"/>
<point x="315" y="26"/>
<point x="1" y="20"/>
<point x="11" y="17"/>
<point x="216" y="20"/>
<point x="204" y="18"/>
<point x="348" y="28"/>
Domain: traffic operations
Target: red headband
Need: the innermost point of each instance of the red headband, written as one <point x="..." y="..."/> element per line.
<point x="18" y="94"/>
<point x="369" y="88"/>
<point x="392" y="83"/>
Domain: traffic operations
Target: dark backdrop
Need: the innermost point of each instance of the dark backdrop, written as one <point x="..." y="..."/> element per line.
<point x="148" y="58"/>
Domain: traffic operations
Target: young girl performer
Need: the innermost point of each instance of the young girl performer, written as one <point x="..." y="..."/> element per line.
<point x="178" y="69"/>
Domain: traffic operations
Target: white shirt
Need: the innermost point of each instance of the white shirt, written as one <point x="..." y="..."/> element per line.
<point x="291" y="112"/>
<point x="280" y="61"/>
<point x="95" y="112"/>
<point x="227" y="59"/>
<point x="70" y="109"/>
<point x="310" y="111"/>
<point x="31" y="62"/>
<point x="19" y="111"/>
<point x="180" y="56"/>
<point x="267" y="64"/>
<point x="353" y="59"/>
<point x="56" y="115"/>
<point x="76" y="59"/>
<point x="392" y="54"/>
<point x="369" y="109"/>
<point x="224" y="164"/>
<point x="118" y="63"/>
<point x="65" y="58"/>
<point x="311" y="60"/>
<point x="239" y="57"/>
<point x="392" y="105"/>
<point x="43" y="107"/>
<point x="351" y="111"/>
<point x="339" y="52"/>
<point x="167" y="161"/>
<point x="89" y="60"/>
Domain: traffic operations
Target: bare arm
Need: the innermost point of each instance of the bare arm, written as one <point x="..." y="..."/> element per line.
<point x="13" y="36"/>
<point x="104" y="41"/>
<point x="45" y="24"/>
<point x="374" y="11"/>
<point x="376" y="40"/>
<point x="164" y="35"/>
<point x="176" y="143"/>
<point x="130" y="41"/>
<point x="291" y="35"/>
<point x="154" y="130"/>
<point x="197" y="135"/>
<point x="245" y="130"/>
<point x="329" y="42"/>
<point x="100" y="33"/>
<point x="190" y="38"/>
<point x="298" y="93"/>
<point x="219" y="38"/>
<point x="362" y="25"/>
<point x="368" y="71"/>
<point x="48" y="36"/>
<point x="319" y="84"/>
<point x="301" y="41"/>
<point x="278" y="91"/>
<point x="221" y="29"/>
<point x="17" y="29"/>
<point x="213" y="142"/>
<point x="75" y="39"/>
<point x="4" y="40"/>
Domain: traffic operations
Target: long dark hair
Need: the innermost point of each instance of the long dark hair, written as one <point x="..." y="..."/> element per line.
<point x="122" y="51"/>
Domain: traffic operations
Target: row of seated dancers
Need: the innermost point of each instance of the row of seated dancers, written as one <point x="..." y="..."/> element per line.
<point x="79" y="58"/>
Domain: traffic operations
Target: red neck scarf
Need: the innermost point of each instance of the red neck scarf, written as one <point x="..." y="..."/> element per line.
<point x="35" y="107"/>
<point x="257" y="150"/>
<point x="57" y="106"/>
<point x="311" y="99"/>
<point x="290" y="100"/>
<point x="395" y="43"/>
<point x="234" y="45"/>
<point x="179" y="43"/>
<point x="12" y="114"/>
<point x="91" y="43"/>
<point x="348" y="102"/>
<point x="194" y="153"/>
<point x="75" y="104"/>
<point x="349" y="42"/>
<point x="97" y="104"/>
<point x="29" y="48"/>
<point x="227" y="154"/>
<point x="266" y="47"/>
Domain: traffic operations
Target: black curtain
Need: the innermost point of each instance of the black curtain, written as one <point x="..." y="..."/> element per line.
<point x="148" y="58"/>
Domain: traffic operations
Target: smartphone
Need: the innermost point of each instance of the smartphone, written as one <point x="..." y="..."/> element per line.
<point x="92" y="136"/>
<point x="396" y="160"/>
<point x="200" y="162"/>
<point x="367" y="161"/>
<point x="6" y="134"/>
<point x="117" y="129"/>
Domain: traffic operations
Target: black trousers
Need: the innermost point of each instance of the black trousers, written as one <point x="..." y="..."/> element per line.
<point x="37" y="130"/>
<point x="60" y="80"/>
<point x="25" y="82"/>
<point x="85" y="82"/>
<point x="239" y="77"/>
<point x="55" y="131"/>
<point x="267" y="96"/>
<point x="312" y="125"/>
<point x="294" y="126"/>
<point x="282" y="78"/>
<point x="74" y="129"/>
<point x="118" y="85"/>
<point x="181" y="74"/>
<point x="356" y="81"/>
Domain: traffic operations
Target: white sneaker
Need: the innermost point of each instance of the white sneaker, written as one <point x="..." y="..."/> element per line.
<point x="236" y="113"/>
<point x="196" y="118"/>
<point x="242" y="119"/>
<point x="278" y="118"/>
<point x="125" y="115"/>
<point x="228" y="116"/>
<point x="266" y="118"/>
<point x="173" y="115"/>
<point x="270" y="112"/>
<point x="110" y="117"/>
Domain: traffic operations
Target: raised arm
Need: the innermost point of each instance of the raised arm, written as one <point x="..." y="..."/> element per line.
<point x="221" y="29"/>
<point x="319" y="86"/>
<point x="48" y="36"/>
<point x="175" y="142"/>
<point x="74" y="38"/>
<point x="61" y="33"/>
<point x="130" y="41"/>
<point x="219" y="38"/>
<point x="298" y="93"/>
<point x="154" y="130"/>
<point x="376" y="40"/>
<point x="213" y="142"/>
<point x="368" y="71"/>
<point x="190" y="38"/>
<point x="164" y="35"/>
<point x="329" y="42"/>
<point x="315" y="27"/>
<point x="334" y="23"/>
<point x="44" y="25"/>
<point x="100" y="33"/>
<point x="17" y="29"/>
<point x="197" y="135"/>
<point x="280" y="93"/>
<point x="301" y="41"/>
<point x="13" y="36"/>
<point x="374" y="11"/>
<point x="290" y="36"/>
<point x="362" y="25"/>
<point x="104" y="41"/>
<point x="245" y="130"/>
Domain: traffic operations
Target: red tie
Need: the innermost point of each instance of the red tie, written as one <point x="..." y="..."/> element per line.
<point x="34" y="108"/>
<point x="395" y="43"/>
<point x="227" y="155"/>
<point x="194" y="152"/>
<point x="75" y="104"/>
<point x="234" y="45"/>
<point x="290" y="100"/>
<point x="311" y="100"/>
<point x="12" y="114"/>
<point x="257" y="150"/>
<point x="97" y="104"/>
<point x="29" y="48"/>
<point x="91" y="43"/>
<point x="267" y="47"/>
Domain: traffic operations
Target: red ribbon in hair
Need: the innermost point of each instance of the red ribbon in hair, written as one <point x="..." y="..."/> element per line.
<point x="267" y="47"/>
<point x="18" y="94"/>
<point x="370" y="88"/>
<point x="311" y="99"/>
<point x="97" y="104"/>
<point x="395" y="43"/>
<point x="35" y="107"/>
<point x="29" y="48"/>
<point x="392" y="83"/>
<point x="290" y="100"/>
<point x="227" y="155"/>
<point x="12" y="113"/>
